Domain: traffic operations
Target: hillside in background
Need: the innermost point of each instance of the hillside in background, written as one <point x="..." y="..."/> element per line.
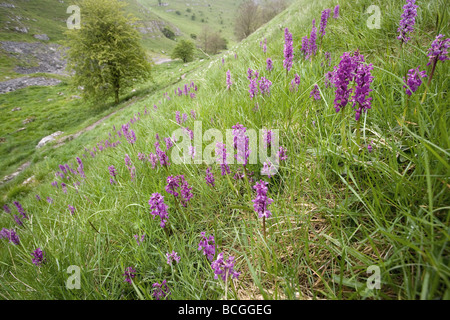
<point x="191" y="17"/>
<point x="356" y="208"/>
<point x="45" y="21"/>
<point x="34" y="96"/>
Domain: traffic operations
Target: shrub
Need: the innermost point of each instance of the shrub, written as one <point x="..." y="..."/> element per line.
<point x="168" y="33"/>
<point x="184" y="51"/>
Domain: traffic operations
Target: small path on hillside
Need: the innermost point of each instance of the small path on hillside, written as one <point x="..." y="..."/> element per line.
<point x="24" y="82"/>
<point x="65" y="139"/>
<point x="31" y="58"/>
<point x="162" y="60"/>
<point x="15" y="174"/>
<point x="48" y="59"/>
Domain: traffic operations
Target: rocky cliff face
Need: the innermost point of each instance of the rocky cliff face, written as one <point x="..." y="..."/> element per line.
<point x="36" y="57"/>
<point x="154" y="28"/>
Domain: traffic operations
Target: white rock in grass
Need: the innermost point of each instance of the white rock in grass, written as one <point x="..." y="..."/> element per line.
<point x="30" y="180"/>
<point x="48" y="139"/>
<point x="23" y="30"/>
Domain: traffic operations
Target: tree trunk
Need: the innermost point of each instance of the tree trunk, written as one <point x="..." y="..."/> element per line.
<point x="116" y="85"/>
<point x="116" y="92"/>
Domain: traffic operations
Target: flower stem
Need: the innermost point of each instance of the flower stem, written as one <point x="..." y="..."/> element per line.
<point x="168" y="238"/>
<point x="429" y="80"/>
<point x="226" y="286"/>
<point x="247" y="184"/>
<point x="264" y="229"/>
<point x="343" y="137"/>
<point x="406" y="108"/>
<point x="358" y="133"/>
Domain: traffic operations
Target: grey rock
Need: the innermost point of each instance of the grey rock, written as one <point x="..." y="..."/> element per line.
<point x="28" y="120"/>
<point x="30" y="180"/>
<point x="20" y="83"/>
<point x="42" y="37"/>
<point x="64" y="140"/>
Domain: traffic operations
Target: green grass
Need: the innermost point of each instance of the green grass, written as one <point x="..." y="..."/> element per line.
<point x="46" y="16"/>
<point x="216" y="15"/>
<point x="49" y="17"/>
<point x="7" y="65"/>
<point x="337" y="211"/>
<point x="49" y="111"/>
<point x="55" y="109"/>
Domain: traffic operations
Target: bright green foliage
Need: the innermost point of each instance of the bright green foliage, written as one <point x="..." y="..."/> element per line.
<point x="106" y="53"/>
<point x="184" y="50"/>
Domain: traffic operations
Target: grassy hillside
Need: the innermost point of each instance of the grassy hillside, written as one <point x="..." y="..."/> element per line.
<point x="37" y="17"/>
<point x="22" y="19"/>
<point x="192" y="16"/>
<point x="49" y="17"/>
<point x="46" y="110"/>
<point x="340" y="209"/>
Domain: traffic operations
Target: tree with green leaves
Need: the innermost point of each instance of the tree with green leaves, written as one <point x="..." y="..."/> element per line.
<point x="105" y="55"/>
<point x="184" y="50"/>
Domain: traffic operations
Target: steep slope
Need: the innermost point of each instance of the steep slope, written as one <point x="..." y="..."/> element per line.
<point x="191" y="17"/>
<point x="30" y="114"/>
<point x="25" y="22"/>
<point x="21" y="20"/>
<point x="46" y="21"/>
